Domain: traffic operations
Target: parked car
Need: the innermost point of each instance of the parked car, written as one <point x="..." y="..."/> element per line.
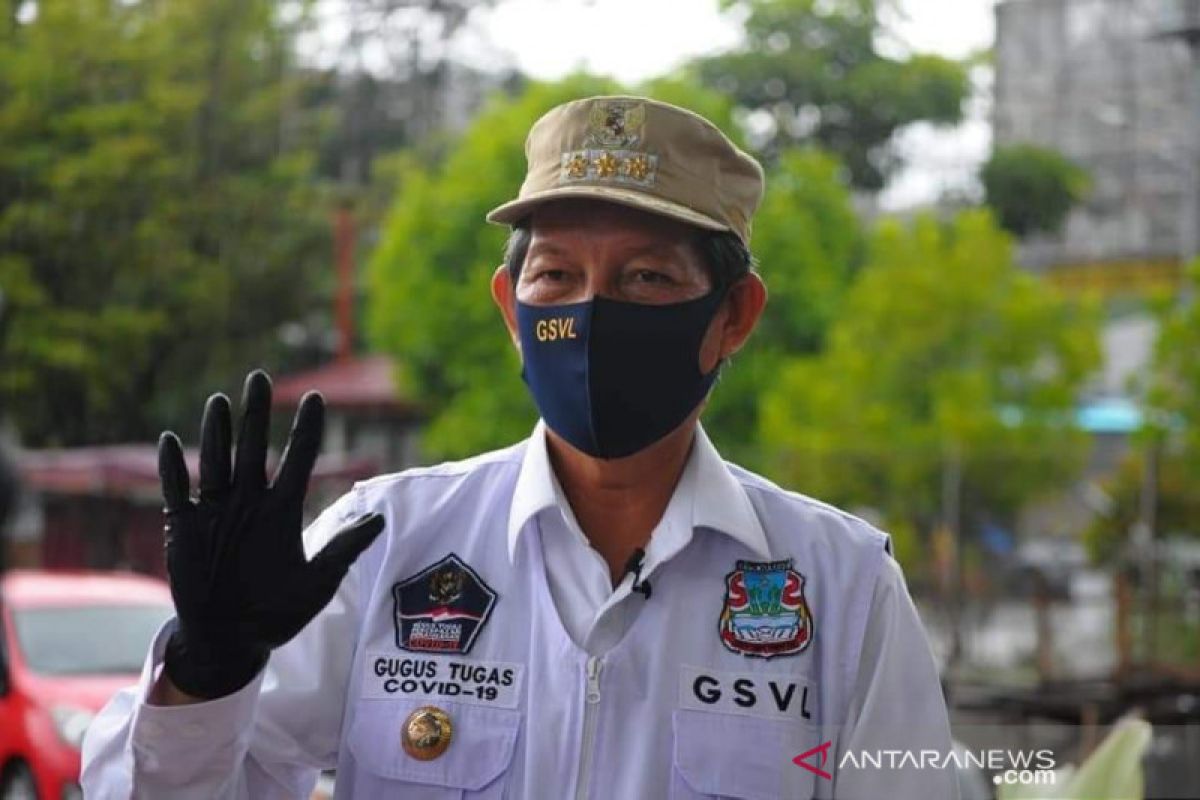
<point x="68" y="642"/>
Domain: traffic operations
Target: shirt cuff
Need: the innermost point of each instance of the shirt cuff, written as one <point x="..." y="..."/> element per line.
<point x="187" y="743"/>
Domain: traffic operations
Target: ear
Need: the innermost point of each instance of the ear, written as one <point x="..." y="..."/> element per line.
<point x="505" y="298"/>
<point x="734" y="321"/>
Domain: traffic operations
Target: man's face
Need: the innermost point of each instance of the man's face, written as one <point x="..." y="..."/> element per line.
<point x="581" y="248"/>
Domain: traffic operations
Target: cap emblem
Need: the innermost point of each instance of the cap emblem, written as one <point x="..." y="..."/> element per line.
<point x="615" y="125"/>
<point x="610" y="153"/>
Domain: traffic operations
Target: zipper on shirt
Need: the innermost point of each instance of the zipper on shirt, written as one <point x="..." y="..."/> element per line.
<point x="591" y="713"/>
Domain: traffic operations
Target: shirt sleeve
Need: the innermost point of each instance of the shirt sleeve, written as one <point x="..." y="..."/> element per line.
<point x="267" y="740"/>
<point x="897" y="736"/>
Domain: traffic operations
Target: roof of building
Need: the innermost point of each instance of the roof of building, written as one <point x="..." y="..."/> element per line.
<point x="131" y="470"/>
<point x="355" y="384"/>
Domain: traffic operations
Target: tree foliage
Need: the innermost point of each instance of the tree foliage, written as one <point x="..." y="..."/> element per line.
<point x="393" y="82"/>
<point x="814" y="72"/>
<point x="429" y="301"/>
<point x="1176" y="510"/>
<point x="1174" y="387"/>
<point x="430" y="304"/>
<point x="1031" y="189"/>
<point x="944" y="353"/>
<point x="808" y="242"/>
<point x="158" y="221"/>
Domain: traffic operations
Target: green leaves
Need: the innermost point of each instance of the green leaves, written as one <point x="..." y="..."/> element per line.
<point x="429" y="301"/>
<point x="155" y="229"/>
<point x="1032" y="189"/>
<point x="941" y="348"/>
<point x="1113" y="771"/>
<point x="1174" y="390"/>
<point x="812" y="71"/>
<point x="808" y="242"/>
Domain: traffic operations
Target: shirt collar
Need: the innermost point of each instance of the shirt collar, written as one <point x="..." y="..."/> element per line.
<point x="721" y="502"/>
<point x="718" y="499"/>
<point x="534" y="491"/>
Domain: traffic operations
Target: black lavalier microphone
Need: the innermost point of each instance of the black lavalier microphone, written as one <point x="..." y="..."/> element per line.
<point x="634" y="567"/>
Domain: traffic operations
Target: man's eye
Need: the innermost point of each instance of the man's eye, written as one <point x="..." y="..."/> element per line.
<point x="650" y="276"/>
<point x="551" y="275"/>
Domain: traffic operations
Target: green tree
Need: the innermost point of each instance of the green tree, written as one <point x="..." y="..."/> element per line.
<point x="1173" y="393"/>
<point x="814" y="72"/>
<point x="1171" y="397"/>
<point x="944" y="356"/>
<point x="808" y="242"/>
<point x="158" y="220"/>
<point x="1031" y="189"/>
<point x="1176" y="509"/>
<point x="429" y="300"/>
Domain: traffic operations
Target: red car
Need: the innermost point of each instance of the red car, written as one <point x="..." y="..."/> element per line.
<point x="68" y="642"/>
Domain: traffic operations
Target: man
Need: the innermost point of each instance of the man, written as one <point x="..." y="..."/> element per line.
<point x="605" y="610"/>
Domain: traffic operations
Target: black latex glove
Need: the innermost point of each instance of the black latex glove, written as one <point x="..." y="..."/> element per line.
<point x="239" y="578"/>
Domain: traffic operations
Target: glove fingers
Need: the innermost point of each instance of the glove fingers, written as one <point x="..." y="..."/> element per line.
<point x="173" y="472"/>
<point x="347" y="545"/>
<point x="250" y="464"/>
<point x="304" y="443"/>
<point x="215" y="432"/>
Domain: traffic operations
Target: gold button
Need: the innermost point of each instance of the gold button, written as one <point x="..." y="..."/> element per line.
<point x="426" y="733"/>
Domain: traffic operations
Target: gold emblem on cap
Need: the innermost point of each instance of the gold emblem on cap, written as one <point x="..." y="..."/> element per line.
<point x="615" y="125"/>
<point x="577" y="166"/>
<point x="426" y="733"/>
<point x="606" y="165"/>
<point x="637" y="168"/>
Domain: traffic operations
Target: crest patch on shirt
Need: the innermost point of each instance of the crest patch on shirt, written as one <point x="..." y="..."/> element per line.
<point x="442" y="608"/>
<point x="765" y="613"/>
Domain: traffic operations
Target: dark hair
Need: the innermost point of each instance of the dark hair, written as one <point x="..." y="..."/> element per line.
<point x="725" y="257"/>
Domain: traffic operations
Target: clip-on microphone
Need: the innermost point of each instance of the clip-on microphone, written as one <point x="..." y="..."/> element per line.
<point x="634" y="567"/>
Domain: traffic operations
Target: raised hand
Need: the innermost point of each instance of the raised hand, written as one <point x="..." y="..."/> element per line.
<point x="241" y="583"/>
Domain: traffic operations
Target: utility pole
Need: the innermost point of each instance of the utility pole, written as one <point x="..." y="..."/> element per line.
<point x="952" y="469"/>
<point x="343" y="243"/>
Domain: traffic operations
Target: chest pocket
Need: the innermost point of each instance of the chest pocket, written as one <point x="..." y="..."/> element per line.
<point x="473" y="766"/>
<point x="734" y="756"/>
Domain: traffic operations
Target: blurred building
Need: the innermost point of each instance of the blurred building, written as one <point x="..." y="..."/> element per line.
<point x="1094" y="80"/>
<point x="366" y="419"/>
<point x="1101" y="83"/>
<point x="101" y="507"/>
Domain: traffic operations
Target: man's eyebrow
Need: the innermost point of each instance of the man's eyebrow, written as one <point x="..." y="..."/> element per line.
<point x="547" y="247"/>
<point x="654" y="249"/>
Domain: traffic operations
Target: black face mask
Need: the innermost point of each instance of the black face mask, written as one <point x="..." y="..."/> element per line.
<point x="613" y="377"/>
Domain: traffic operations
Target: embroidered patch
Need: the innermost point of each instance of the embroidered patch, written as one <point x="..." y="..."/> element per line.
<point x="765" y="613"/>
<point x="442" y="608"/>
<point x="616" y="124"/>
<point x="751" y="694"/>
<point x="433" y="678"/>
<point x="612" y="166"/>
<point x="612" y="149"/>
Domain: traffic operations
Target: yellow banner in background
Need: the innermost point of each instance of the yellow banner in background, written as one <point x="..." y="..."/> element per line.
<point x="1111" y="278"/>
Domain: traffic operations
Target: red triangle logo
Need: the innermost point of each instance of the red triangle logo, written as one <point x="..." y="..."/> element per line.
<point x="821" y="750"/>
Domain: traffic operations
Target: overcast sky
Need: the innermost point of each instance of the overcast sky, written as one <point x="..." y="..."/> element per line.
<point x="633" y="40"/>
<point x="637" y="39"/>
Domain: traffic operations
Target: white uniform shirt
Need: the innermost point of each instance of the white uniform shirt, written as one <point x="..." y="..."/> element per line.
<point x="776" y="627"/>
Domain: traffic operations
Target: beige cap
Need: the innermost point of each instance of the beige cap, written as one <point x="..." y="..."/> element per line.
<point x="641" y="153"/>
